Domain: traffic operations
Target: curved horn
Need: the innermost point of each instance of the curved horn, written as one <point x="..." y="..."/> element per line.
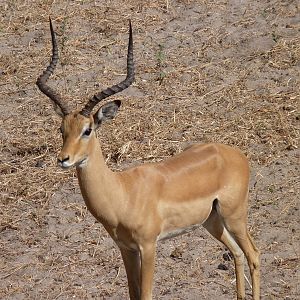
<point x="117" y="87"/>
<point x="42" y="79"/>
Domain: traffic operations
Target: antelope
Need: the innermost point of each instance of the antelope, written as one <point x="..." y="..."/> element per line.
<point x="206" y="184"/>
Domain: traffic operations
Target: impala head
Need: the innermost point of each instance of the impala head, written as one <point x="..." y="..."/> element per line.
<point x="78" y="128"/>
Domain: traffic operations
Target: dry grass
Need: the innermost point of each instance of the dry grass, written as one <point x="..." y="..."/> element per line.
<point x="196" y="82"/>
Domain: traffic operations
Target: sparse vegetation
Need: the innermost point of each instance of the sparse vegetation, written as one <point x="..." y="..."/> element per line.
<point x="232" y="77"/>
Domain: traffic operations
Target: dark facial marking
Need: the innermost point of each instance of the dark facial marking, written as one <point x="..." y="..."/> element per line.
<point x="87" y="132"/>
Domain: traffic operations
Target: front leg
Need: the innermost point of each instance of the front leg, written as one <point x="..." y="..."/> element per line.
<point x="147" y="251"/>
<point x="132" y="262"/>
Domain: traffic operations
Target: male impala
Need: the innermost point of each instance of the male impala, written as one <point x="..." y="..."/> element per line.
<point x="206" y="184"/>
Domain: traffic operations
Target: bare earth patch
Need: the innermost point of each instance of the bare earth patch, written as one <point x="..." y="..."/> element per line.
<point x="222" y="71"/>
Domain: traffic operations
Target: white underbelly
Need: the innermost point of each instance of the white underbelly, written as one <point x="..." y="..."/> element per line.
<point x="170" y="234"/>
<point x="183" y="218"/>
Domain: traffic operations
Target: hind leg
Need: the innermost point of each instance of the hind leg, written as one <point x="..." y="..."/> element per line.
<point x="215" y="226"/>
<point x="244" y="240"/>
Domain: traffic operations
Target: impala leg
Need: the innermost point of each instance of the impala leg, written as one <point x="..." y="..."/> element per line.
<point x="253" y="258"/>
<point x="147" y="270"/>
<point x="252" y="254"/>
<point x="132" y="264"/>
<point x="215" y="226"/>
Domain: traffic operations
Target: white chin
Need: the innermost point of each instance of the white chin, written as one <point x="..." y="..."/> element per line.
<point x="82" y="163"/>
<point x="64" y="166"/>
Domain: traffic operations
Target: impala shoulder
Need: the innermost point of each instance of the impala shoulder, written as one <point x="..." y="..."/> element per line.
<point x="142" y="174"/>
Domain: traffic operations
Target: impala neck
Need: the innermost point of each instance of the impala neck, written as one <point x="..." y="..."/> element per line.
<point x="101" y="188"/>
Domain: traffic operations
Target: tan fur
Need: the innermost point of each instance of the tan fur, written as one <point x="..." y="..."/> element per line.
<point x="205" y="184"/>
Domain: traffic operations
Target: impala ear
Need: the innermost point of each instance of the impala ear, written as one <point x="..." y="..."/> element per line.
<point x="106" y="112"/>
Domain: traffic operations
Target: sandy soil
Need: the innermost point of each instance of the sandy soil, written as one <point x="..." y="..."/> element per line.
<point x="223" y="71"/>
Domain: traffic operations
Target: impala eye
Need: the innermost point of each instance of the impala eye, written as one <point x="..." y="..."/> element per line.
<point x="87" y="132"/>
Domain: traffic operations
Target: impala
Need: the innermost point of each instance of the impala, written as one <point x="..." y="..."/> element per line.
<point x="207" y="184"/>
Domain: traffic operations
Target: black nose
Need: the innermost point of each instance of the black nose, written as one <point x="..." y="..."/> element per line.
<point x="63" y="160"/>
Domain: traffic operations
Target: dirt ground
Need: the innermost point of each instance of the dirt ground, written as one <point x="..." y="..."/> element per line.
<point x="222" y="71"/>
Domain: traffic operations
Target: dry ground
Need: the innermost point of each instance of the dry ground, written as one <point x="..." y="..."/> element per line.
<point x="224" y="71"/>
